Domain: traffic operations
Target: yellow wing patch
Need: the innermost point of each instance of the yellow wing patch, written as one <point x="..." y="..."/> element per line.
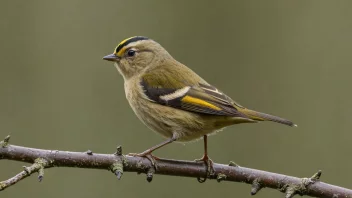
<point x="199" y="102"/>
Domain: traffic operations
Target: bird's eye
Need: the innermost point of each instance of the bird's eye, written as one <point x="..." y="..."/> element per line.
<point x="131" y="53"/>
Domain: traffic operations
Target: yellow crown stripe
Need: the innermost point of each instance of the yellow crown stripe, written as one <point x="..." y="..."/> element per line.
<point x="121" y="52"/>
<point x="124" y="41"/>
<point x="120" y="49"/>
<point x="120" y="44"/>
<point x="199" y="102"/>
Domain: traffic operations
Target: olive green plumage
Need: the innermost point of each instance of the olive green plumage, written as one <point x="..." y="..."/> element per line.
<point x="170" y="98"/>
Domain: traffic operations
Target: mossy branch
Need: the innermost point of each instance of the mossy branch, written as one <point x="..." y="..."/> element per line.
<point x="118" y="164"/>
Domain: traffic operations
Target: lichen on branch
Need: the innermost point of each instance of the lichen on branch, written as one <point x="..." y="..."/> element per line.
<point x="118" y="163"/>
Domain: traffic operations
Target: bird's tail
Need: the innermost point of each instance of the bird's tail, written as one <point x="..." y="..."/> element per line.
<point x="258" y="116"/>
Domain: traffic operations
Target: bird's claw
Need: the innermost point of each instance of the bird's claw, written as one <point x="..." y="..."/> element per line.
<point x="149" y="156"/>
<point x="210" y="169"/>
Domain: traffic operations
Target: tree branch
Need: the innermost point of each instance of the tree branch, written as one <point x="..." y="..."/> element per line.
<point x="118" y="163"/>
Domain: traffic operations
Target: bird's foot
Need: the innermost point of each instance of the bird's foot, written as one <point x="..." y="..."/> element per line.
<point x="147" y="155"/>
<point x="210" y="169"/>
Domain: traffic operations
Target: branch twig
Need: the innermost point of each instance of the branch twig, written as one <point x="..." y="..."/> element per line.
<point x="118" y="164"/>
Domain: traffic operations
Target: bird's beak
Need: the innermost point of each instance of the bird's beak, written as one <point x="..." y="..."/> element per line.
<point x="111" y="57"/>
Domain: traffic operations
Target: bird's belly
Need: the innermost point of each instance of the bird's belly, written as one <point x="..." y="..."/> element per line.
<point x="168" y="121"/>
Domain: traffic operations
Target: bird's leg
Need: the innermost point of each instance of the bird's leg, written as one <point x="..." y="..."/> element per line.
<point x="206" y="160"/>
<point x="148" y="153"/>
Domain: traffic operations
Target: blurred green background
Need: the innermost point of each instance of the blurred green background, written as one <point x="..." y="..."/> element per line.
<point x="287" y="58"/>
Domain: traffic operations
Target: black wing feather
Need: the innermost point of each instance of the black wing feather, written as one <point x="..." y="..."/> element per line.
<point x="205" y="99"/>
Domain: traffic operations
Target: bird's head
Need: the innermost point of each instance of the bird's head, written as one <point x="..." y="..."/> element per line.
<point x="136" y="54"/>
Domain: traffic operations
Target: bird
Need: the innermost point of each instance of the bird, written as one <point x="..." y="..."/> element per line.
<point x="174" y="101"/>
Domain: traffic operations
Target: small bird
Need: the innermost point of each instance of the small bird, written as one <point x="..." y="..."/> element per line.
<point x="173" y="100"/>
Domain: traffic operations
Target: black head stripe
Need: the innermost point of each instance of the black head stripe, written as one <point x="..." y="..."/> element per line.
<point x="128" y="41"/>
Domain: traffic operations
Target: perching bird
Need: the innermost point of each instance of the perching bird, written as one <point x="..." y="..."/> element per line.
<point x="174" y="101"/>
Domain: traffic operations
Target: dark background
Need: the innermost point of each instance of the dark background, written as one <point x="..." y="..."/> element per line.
<point x="288" y="58"/>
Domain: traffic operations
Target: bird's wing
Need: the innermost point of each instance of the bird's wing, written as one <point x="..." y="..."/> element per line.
<point x="199" y="97"/>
